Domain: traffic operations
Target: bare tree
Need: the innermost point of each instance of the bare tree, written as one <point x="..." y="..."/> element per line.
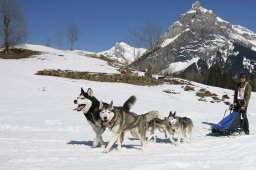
<point x="48" y="42"/>
<point x="146" y="36"/>
<point x="72" y="35"/>
<point x="12" y="25"/>
<point x="59" y="37"/>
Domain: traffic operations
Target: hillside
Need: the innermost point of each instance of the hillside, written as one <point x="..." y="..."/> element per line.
<point x="39" y="130"/>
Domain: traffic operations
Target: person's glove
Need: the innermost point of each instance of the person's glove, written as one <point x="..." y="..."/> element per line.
<point x="242" y="108"/>
<point x="231" y="107"/>
<point x="235" y="104"/>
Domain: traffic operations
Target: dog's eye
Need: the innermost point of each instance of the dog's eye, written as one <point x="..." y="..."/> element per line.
<point x="82" y="98"/>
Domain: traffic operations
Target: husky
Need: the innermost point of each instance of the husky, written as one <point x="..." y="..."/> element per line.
<point x="120" y="120"/>
<point x="162" y="125"/>
<point x="180" y="126"/>
<point x="90" y="106"/>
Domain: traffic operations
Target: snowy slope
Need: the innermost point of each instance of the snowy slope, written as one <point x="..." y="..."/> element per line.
<point x="58" y="59"/>
<point x="39" y="130"/>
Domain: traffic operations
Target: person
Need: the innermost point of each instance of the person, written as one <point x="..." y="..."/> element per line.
<point x="241" y="100"/>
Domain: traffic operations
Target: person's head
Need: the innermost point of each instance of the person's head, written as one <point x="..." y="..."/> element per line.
<point x="242" y="77"/>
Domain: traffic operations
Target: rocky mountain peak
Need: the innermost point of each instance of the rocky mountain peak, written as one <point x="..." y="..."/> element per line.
<point x="196" y="5"/>
<point x="123" y="53"/>
<point x="202" y="39"/>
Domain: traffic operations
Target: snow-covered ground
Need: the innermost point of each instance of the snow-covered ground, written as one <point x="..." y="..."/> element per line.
<point x="39" y="130"/>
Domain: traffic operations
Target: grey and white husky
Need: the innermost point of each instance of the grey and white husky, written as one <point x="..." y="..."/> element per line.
<point x="120" y="120"/>
<point x="89" y="105"/>
<point x="162" y="125"/>
<point x="180" y="126"/>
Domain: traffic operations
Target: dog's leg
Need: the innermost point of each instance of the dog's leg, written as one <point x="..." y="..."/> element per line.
<point x="95" y="142"/>
<point x="102" y="143"/>
<point x="165" y="134"/>
<point x="178" y="141"/>
<point x="184" y="133"/>
<point x="119" y="142"/>
<point x="142" y="139"/>
<point x="152" y="134"/>
<point x="143" y="144"/>
<point x="190" y="133"/>
<point x="171" y="136"/>
<point x="111" y="142"/>
<point x="122" y="137"/>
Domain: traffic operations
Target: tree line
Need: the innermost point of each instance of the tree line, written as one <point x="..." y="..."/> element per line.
<point x="215" y="76"/>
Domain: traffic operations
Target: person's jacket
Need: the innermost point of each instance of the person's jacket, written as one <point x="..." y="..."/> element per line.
<point x="247" y="94"/>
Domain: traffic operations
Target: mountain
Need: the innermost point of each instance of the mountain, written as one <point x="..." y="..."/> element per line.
<point x="123" y="52"/>
<point x="200" y="40"/>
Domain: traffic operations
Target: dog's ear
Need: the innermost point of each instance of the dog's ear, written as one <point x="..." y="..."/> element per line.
<point x="170" y="114"/>
<point x="90" y="92"/>
<point x="174" y="114"/>
<point x="111" y="105"/>
<point x="101" y="105"/>
<point x="82" y="90"/>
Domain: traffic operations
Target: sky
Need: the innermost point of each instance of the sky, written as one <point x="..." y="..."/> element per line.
<point x="102" y="23"/>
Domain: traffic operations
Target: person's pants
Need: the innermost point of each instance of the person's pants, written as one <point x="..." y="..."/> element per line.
<point x="245" y="123"/>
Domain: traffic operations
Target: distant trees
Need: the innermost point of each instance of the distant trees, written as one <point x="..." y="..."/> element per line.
<point x="72" y="35"/>
<point x="12" y="25"/>
<point x="213" y="76"/>
<point x="59" y="38"/>
<point x="146" y="36"/>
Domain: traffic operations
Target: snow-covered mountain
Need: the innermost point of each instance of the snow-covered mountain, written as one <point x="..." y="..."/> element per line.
<point x="200" y="39"/>
<point x="123" y="52"/>
<point x="40" y="130"/>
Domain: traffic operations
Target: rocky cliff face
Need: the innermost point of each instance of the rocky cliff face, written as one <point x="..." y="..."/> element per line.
<point x="200" y="39"/>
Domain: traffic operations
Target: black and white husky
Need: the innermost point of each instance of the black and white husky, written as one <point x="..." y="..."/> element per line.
<point x="180" y="126"/>
<point x="89" y="105"/>
<point x="120" y="120"/>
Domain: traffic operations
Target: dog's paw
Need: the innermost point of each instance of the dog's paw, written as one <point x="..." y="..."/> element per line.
<point x="103" y="146"/>
<point x="94" y="144"/>
<point x="105" y="151"/>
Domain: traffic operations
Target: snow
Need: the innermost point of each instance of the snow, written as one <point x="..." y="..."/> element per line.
<point x="123" y="52"/>
<point x="58" y="59"/>
<point x="248" y="65"/>
<point x="254" y="48"/>
<point x="221" y="20"/>
<point x="243" y="30"/>
<point x="169" y="40"/>
<point x="39" y="130"/>
<point x="180" y="66"/>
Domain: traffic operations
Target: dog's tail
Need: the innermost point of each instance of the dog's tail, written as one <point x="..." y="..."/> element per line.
<point x="129" y="103"/>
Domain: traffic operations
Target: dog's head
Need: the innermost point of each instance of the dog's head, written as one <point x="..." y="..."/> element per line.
<point x="107" y="113"/>
<point x="84" y="100"/>
<point x="172" y="118"/>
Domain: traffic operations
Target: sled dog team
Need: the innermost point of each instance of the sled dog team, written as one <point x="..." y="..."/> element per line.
<point x="119" y="120"/>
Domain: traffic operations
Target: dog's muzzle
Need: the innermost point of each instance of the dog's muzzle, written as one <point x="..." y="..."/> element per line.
<point x="79" y="107"/>
<point x="105" y="122"/>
